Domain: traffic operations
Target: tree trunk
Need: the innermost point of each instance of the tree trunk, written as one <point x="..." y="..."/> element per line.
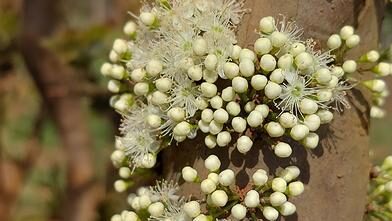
<point x="335" y="173"/>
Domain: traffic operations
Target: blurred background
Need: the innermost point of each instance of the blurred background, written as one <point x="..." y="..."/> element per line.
<point x="56" y="127"/>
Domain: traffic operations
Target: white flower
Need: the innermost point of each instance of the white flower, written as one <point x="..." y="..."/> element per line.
<point x="320" y="59"/>
<point x="165" y="191"/>
<point x="184" y="94"/>
<point x="287" y="32"/>
<point x="339" y="95"/>
<point x="294" y="89"/>
<point x="173" y="211"/>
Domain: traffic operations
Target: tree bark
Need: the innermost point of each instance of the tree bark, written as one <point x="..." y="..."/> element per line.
<point x="336" y="173"/>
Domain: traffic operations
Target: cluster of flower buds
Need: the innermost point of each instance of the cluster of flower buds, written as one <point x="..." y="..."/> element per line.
<point x="380" y="192"/>
<point x="180" y="72"/>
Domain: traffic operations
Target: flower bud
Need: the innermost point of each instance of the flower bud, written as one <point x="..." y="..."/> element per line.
<point x="156" y="209"/>
<point x="153" y="120"/>
<point x="215" y="127"/>
<point x="211" y="62"/>
<point x="260" y="177"/>
<point x="299" y="132"/>
<point x="252" y="199"/>
<point x="312" y="122"/>
<point x="334" y="41"/>
<point x="195" y="73"/>
<point x="221" y="116"/>
<point x="247" y="54"/>
<point x="200" y="46"/>
<point x="258" y="82"/>
<point x="154" y="67"/>
<point x="290" y="173"/>
<point x="177" y="114"/>
<point x="163" y="84"/>
<point x="277" y="199"/>
<point x="296" y="188"/>
<point x="238" y="211"/>
<point x="255" y="119"/>
<point x="311" y="141"/>
<point x="272" y="90"/>
<point x="263" y="46"/>
<point x="371" y="56"/>
<point x="346" y="32"/>
<point x="376" y="85"/>
<point x="279" y="185"/>
<point x="337" y="71"/>
<point x="308" y="106"/>
<point x="189" y="174"/>
<point x="235" y="54"/>
<point x="349" y="66"/>
<point x="223" y="139"/>
<point x="210" y="141"/>
<point x="120" y="186"/>
<point x="326" y="116"/>
<point x="303" y="61"/>
<point x="297" y="48"/>
<point x="238" y="124"/>
<point x="141" y="88"/>
<point x="274" y="129"/>
<point x="267" y="25"/>
<point x="182" y="129"/>
<point x="219" y="198"/>
<point x="267" y="62"/>
<point x="231" y="70"/>
<point x="228" y="94"/>
<point x="147" y="18"/>
<point x="278" y="39"/>
<point x="382" y="69"/>
<point x="114" y="86"/>
<point x="285" y="62"/>
<point x="353" y="41"/>
<point x="226" y="177"/>
<point x="282" y="150"/>
<point x="244" y="144"/>
<point x="247" y="67"/>
<point x="208" y="186"/>
<point x="288" y="120"/>
<point x="263" y="109"/>
<point x="208" y="90"/>
<point x="216" y="102"/>
<point x="233" y="108"/>
<point x="277" y="76"/>
<point x="130" y="28"/>
<point x="159" y="98"/>
<point x="240" y="84"/>
<point x="376" y="112"/>
<point x="270" y="213"/>
<point x="287" y="209"/>
<point x="323" y="76"/>
<point x="120" y="46"/>
<point x="192" y="209"/>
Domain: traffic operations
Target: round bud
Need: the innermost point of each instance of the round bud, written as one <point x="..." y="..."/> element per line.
<point x="334" y="41"/>
<point x="120" y="46"/>
<point x="189" y="174"/>
<point x="156" y="209"/>
<point x="204" y="126"/>
<point x="287" y="209"/>
<point x="124" y="172"/>
<point x="270" y="213"/>
<point x="346" y="32"/>
<point x="238" y="124"/>
<point x="326" y="116"/>
<point x="233" y="108"/>
<point x="376" y="112"/>
<point x="208" y="90"/>
<point x="207" y="115"/>
<point x="311" y="141"/>
<point x="372" y="56"/>
<point x="130" y="28"/>
<point x="223" y="139"/>
<point x="323" y="76"/>
<point x="290" y="173"/>
<point x="177" y="114"/>
<point x="213" y="177"/>
<point x="219" y="198"/>
<point x="258" y="82"/>
<point x="299" y="132"/>
<point x="274" y="129"/>
<point x="208" y="186"/>
<point x="279" y="185"/>
<point x="267" y="62"/>
<point x="114" y="86"/>
<point x="260" y="177"/>
<point x="153" y="120"/>
<point x="267" y="25"/>
<point x="141" y="88"/>
<point x="255" y="119"/>
<point x="154" y="67"/>
<point x="296" y="188"/>
<point x="303" y="61"/>
<point x="195" y="73"/>
<point x="212" y="163"/>
<point x="215" y="127"/>
<point x="106" y="69"/>
<point x="337" y="71"/>
<point x="210" y="76"/>
<point x="231" y="70"/>
<point x="263" y="109"/>
<point x="349" y="66"/>
<point x="210" y="141"/>
<point x="240" y="84"/>
<point x="353" y="41"/>
<point x="272" y="90"/>
<point x="235" y="54"/>
<point x="211" y="62"/>
<point x="376" y="85"/>
<point x="308" y="106"/>
<point x="278" y="39"/>
<point x="120" y="186"/>
<point x="285" y="62"/>
<point x="159" y="98"/>
<point x="382" y="69"/>
<point x="244" y="144"/>
<point x="201" y="217"/>
<point x="247" y="54"/>
<point x="252" y="199"/>
<point x="192" y="209"/>
<point x="249" y="106"/>
<point x="216" y="102"/>
<point x="282" y="150"/>
<point x="324" y="95"/>
<point x="149" y="161"/>
<point x="114" y="57"/>
<point x="163" y="84"/>
<point x="221" y="116"/>
<point x="277" y="76"/>
<point x="312" y="122"/>
<point x="277" y="198"/>
<point x="288" y="120"/>
<point x="238" y="211"/>
<point x="297" y="48"/>
<point x="263" y="46"/>
<point x="228" y="94"/>
<point x="117" y="72"/>
<point x="200" y="46"/>
<point x="144" y="201"/>
<point x="247" y="67"/>
<point x="147" y="18"/>
<point x="226" y="177"/>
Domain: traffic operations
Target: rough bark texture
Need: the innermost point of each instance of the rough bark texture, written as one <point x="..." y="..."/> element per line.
<point x="336" y="173"/>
